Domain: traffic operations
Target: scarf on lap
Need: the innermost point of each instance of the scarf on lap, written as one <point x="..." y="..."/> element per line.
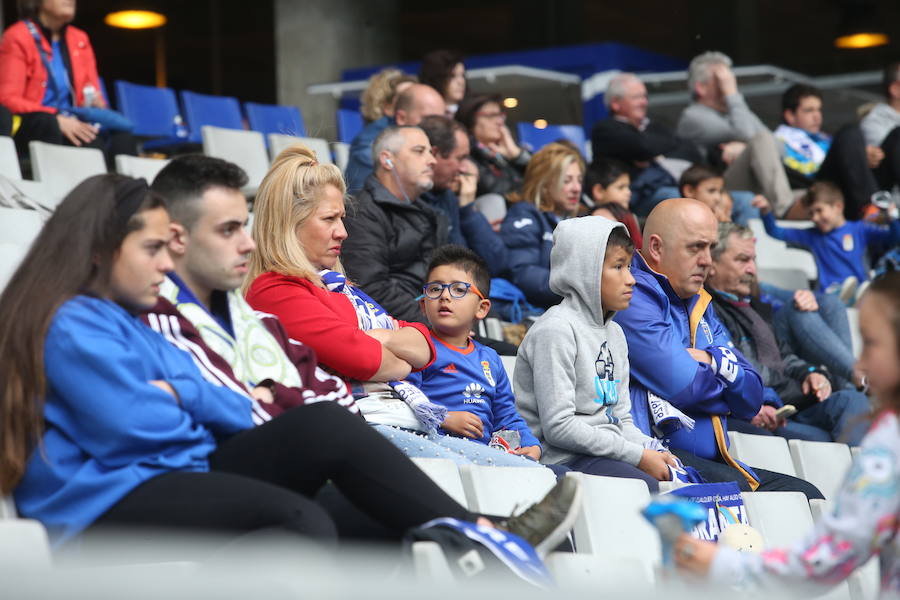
<point x="371" y="315"/>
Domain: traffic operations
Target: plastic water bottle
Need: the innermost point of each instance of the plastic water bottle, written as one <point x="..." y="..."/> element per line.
<point x="178" y="128"/>
<point x="90" y="95"/>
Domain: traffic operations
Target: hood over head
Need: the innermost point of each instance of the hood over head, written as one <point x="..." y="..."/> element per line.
<point x="576" y="262"/>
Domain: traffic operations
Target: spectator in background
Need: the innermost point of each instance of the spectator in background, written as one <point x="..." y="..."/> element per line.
<point x="824" y="415"/>
<point x="414" y="104"/>
<point x="46" y="102"/>
<point x="391" y="230"/>
<point x="645" y="146"/>
<point x="378" y="99"/>
<point x="724" y="128"/>
<point x="608" y="186"/>
<point x="809" y="154"/>
<point x="501" y="162"/>
<point x="707" y="185"/>
<point x="551" y="193"/>
<point x="881" y="128"/>
<point x="444" y="71"/>
<point x="467" y="227"/>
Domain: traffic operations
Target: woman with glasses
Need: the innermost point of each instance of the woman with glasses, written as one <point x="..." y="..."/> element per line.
<point x="501" y="162"/>
<point x="296" y="274"/>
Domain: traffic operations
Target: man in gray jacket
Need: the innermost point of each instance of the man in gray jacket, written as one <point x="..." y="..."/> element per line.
<point x="721" y="124"/>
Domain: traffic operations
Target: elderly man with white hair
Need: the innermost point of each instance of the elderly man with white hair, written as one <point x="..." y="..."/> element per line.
<point x="724" y="128"/>
<point x="630" y="136"/>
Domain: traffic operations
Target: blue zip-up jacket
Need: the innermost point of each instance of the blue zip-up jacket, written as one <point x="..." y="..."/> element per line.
<point x="841" y="252"/>
<point x="469" y="228"/>
<point x="528" y="234"/>
<point x="360" y="164"/>
<point x="107" y="428"/>
<point x="659" y="326"/>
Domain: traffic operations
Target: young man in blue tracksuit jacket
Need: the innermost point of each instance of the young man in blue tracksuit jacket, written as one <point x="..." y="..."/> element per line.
<point x="680" y="353"/>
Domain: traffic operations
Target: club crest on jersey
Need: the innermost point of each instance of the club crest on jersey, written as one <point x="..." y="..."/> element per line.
<point x="706" y="330"/>
<point x="486" y="367"/>
<point x="847" y="242"/>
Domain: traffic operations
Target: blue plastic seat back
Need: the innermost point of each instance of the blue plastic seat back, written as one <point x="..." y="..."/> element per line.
<point x="202" y="109"/>
<point x="534" y="139"/>
<point x="350" y="123"/>
<point x="151" y="109"/>
<point x="273" y="118"/>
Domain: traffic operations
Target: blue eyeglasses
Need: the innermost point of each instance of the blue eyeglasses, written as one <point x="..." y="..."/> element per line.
<point x="457" y="289"/>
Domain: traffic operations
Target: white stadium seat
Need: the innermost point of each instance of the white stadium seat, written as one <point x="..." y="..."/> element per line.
<point x="139" y="166"/>
<point x="768" y="452"/>
<point x="504" y="491"/>
<point x="9" y="159"/>
<point x="61" y="168"/>
<point x="279" y="142"/>
<point x="445" y="473"/>
<point x="823" y="464"/>
<point x="246" y="149"/>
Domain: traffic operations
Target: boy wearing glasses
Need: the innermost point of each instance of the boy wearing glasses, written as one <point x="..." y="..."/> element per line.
<point x="467" y="377"/>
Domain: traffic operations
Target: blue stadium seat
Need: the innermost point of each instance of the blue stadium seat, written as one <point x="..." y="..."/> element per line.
<point x="202" y="109"/>
<point x="151" y="109"/>
<point x="272" y="118"/>
<point x="350" y="123"/>
<point x="534" y="139"/>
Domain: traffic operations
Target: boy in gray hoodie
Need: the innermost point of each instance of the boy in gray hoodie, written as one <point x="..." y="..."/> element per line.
<point x="571" y="376"/>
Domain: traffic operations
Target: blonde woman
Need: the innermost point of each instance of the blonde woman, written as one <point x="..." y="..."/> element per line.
<point x="296" y="274"/>
<point x="551" y="192"/>
<point x="377" y="101"/>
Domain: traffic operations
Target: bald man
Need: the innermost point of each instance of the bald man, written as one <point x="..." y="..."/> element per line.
<point x="680" y="355"/>
<point x="413" y="104"/>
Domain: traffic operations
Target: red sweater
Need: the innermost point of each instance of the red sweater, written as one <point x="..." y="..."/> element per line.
<point x="323" y="320"/>
<point x="23" y="78"/>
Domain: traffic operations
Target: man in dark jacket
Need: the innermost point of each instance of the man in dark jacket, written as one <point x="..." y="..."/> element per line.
<point x="628" y="135"/>
<point x="467" y="227"/>
<point x="824" y="415"/>
<point x="391" y="231"/>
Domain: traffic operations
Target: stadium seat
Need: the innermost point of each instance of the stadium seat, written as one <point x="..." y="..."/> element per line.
<point x="152" y="110"/>
<point x="9" y="160"/>
<point x="783" y="519"/>
<point x="764" y="451"/>
<point x="788" y="279"/>
<point x="509" y="364"/>
<point x="274" y="118"/>
<point x="823" y="464"/>
<point x="534" y="139"/>
<point x="341" y="152"/>
<point x="24" y="544"/>
<point x="430" y="564"/>
<point x="19" y="226"/>
<point x="492" y="206"/>
<point x="278" y="142"/>
<point x="61" y="168"/>
<point x="445" y="473"/>
<point x="349" y="124"/>
<point x="611" y="524"/>
<point x="202" y="109"/>
<point x="772" y="253"/>
<point x="246" y="149"/>
<point x="855" y="335"/>
<point x="10" y="257"/>
<point x="8" y="508"/>
<point x="504" y="491"/>
<point x="138" y="166"/>
<point x="604" y="575"/>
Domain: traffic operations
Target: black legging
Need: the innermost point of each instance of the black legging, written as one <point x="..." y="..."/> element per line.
<point x="262" y="478"/>
<point x="44" y="127"/>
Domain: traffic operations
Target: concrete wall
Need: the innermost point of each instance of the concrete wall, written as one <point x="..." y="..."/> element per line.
<point x="316" y="39"/>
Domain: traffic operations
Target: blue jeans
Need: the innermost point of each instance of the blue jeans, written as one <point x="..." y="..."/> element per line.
<point x="459" y="450"/>
<point x="820" y="337"/>
<point x="743" y="208"/>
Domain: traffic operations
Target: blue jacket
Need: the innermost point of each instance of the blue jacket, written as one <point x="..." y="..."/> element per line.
<point x="841" y="252"/>
<point x="528" y="234"/>
<point x="659" y="326"/>
<point x="360" y="164"/>
<point x="107" y="429"/>
<point x="469" y="228"/>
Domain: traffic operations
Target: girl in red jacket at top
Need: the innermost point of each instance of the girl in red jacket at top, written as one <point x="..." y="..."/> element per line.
<point x="44" y="100"/>
<point x="295" y="274"/>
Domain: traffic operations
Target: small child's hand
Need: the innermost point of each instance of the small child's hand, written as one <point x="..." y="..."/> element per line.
<point x="760" y="202"/>
<point x="529" y="451"/>
<point x="463" y="423"/>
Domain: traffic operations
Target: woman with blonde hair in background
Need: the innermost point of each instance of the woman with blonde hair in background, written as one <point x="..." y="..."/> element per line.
<point x="377" y="100"/>
<point x="550" y="193"/>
